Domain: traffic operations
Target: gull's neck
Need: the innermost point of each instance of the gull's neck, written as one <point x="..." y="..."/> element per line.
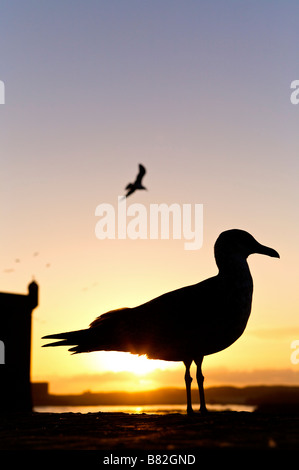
<point x="233" y="265"/>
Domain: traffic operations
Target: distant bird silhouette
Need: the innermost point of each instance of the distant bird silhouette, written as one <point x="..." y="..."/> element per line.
<point x="185" y="324"/>
<point x="132" y="187"/>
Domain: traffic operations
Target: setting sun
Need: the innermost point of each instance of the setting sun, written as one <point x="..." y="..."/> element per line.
<point x="126" y="362"/>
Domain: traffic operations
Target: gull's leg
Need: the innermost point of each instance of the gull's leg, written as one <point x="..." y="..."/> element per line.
<point x="188" y="380"/>
<point x="200" y="380"/>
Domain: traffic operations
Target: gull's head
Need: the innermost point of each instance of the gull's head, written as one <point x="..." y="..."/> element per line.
<point x="240" y="243"/>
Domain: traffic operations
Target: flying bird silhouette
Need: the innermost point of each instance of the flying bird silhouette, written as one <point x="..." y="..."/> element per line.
<point x="185" y="324"/>
<point x="132" y="187"/>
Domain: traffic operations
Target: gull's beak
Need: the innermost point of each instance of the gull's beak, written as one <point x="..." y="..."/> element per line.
<point x="265" y="250"/>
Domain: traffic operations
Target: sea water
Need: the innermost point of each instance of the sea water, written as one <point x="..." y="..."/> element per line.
<point x="138" y="409"/>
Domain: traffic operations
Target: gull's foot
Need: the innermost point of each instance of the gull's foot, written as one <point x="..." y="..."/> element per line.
<point x="203" y="410"/>
<point x="190" y="411"/>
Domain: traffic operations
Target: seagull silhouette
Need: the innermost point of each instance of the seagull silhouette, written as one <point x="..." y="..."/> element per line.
<point x="132" y="187"/>
<point x="185" y="324"/>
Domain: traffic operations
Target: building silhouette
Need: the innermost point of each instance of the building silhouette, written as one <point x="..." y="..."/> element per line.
<point x="15" y="349"/>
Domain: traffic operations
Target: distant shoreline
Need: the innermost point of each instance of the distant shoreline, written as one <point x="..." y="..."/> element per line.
<point x="258" y="395"/>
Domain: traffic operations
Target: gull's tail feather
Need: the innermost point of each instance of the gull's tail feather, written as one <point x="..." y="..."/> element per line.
<point x="69" y="338"/>
<point x="107" y="332"/>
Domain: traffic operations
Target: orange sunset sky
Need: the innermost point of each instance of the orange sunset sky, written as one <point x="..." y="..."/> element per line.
<point x="197" y="91"/>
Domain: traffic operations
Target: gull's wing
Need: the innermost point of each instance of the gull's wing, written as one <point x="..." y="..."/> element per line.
<point x="140" y="175"/>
